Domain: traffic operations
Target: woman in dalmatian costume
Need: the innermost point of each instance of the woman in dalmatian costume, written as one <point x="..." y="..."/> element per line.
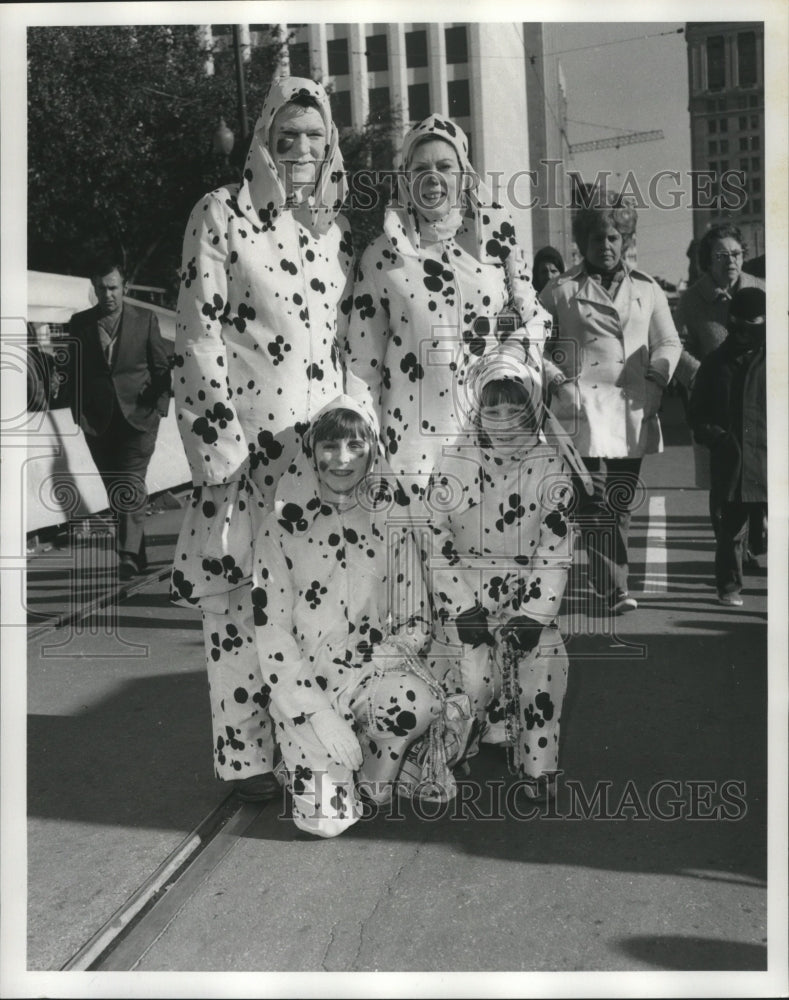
<point x="443" y="283"/>
<point x="340" y="613"/>
<point x="502" y="549"/>
<point x="257" y="353"/>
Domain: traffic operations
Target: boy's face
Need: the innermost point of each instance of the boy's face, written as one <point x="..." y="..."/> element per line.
<point x="341" y="464"/>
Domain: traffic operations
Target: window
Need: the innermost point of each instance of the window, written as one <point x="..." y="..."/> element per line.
<point x="713" y="166"/>
<point x="755" y="142"/>
<point x="415" y="49"/>
<point x="716" y="65"/>
<point x="380" y="104"/>
<point x="712" y="126"/>
<point x="377" y="57"/>
<point x="744" y="163"/>
<point x="299" y="56"/>
<point x="724" y="165"/>
<point x="744" y="144"/>
<point x="459" y="98"/>
<point x="746" y="58"/>
<point x="723" y="146"/>
<point x="712" y="148"/>
<point x="743" y="123"/>
<point x="340" y="101"/>
<point x="754" y="121"/>
<point x="757" y="206"/>
<point x="724" y="126"/>
<point x="722" y="105"/>
<point x="753" y="102"/>
<point x="756" y="163"/>
<point x="418" y="101"/>
<point x="756" y="185"/>
<point x="457" y="44"/>
<point x="337" y="49"/>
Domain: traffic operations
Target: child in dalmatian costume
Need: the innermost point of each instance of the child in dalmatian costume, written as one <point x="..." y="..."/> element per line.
<point x="444" y="282"/>
<point x="339" y="613"/>
<point x="502" y="549"/>
<point x="257" y="354"/>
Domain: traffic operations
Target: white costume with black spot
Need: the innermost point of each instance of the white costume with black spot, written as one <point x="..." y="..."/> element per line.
<point x="257" y="353"/>
<point x="502" y="540"/>
<point x="422" y="313"/>
<point x="330" y="588"/>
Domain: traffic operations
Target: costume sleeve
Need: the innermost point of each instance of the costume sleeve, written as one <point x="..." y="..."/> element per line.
<point x="294" y="689"/>
<point x="369" y="330"/>
<point x="448" y="571"/>
<point x="159" y="367"/>
<point x="210" y="429"/>
<point x="688" y="364"/>
<point x="539" y="592"/>
<point x="552" y="372"/>
<point x="664" y="343"/>
<point x="409" y="604"/>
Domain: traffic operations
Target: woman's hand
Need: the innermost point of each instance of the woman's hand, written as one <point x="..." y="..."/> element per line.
<point x="337" y="738"/>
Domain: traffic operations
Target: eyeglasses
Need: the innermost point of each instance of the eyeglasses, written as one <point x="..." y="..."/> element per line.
<point x="728" y="255"/>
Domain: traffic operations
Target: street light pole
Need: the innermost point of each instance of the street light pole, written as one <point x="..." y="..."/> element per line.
<point x="242" y="97"/>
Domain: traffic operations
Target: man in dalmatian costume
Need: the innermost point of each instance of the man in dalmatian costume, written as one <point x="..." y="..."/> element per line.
<point x="257" y="353"/>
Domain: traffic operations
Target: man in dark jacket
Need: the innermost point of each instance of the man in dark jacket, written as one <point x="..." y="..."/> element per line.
<point x="120" y="388"/>
<point x="728" y="414"/>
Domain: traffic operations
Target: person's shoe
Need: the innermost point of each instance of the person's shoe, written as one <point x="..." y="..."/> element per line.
<point x="257" y="787"/>
<point x="127" y="567"/>
<point x="620" y="601"/>
<point x="730" y="600"/>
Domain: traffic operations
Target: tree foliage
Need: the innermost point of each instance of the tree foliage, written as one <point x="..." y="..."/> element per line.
<point x="120" y="127"/>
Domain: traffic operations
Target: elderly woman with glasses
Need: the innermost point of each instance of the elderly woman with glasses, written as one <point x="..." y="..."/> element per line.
<point x="613" y="355"/>
<point x="702" y="318"/>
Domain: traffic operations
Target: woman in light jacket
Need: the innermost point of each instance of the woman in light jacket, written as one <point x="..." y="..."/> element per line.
<point x="265" y="265"/>
<point x="614" y="353"/>
<point x="442" y="285"/>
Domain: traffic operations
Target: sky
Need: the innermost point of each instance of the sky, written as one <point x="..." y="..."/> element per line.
<point x="624" y="80"/>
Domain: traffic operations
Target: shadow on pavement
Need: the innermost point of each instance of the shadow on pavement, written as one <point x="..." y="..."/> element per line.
<point x="686" y="953"/>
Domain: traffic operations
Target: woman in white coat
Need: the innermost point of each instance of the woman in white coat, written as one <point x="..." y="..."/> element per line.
<point x="443" y="284"/>
<point x="257" y="353"/>
<point x="613" y="353"/>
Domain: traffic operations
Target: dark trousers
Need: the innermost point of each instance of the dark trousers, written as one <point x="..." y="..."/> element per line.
<point x="731" y="541"/>
<point x="121" y="455"/>
<point x="604" y="519"/>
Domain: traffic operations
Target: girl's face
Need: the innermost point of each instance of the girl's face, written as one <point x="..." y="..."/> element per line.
<point x="503" y="423"/>
<point x="341" y="465"/>
<point x="435" y="176"/>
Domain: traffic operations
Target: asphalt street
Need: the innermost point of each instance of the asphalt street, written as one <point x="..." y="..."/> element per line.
<point x="654" y="858"/>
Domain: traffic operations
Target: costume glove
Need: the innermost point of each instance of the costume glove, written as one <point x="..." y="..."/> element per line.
<point x="337" y="738"/>
<point x="522" y="633"/>
<point x="472" y="626"/>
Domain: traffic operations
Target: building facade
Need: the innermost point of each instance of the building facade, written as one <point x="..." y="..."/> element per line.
<point x="726" y="91"/>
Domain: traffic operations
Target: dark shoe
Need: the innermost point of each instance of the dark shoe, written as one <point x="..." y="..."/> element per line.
<point x="127" y="567"/>
<point x="620" y="601"/>
<point x="257" y="787"/>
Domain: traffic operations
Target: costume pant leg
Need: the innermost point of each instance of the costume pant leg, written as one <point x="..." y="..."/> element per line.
<point x="325" y="802"/>
<point x="730" y="547"/>
<point x="393" y="710"/>
<point x="243" y="739"/>
<point x="605" y="519"/>
<point x="542" y="685"/>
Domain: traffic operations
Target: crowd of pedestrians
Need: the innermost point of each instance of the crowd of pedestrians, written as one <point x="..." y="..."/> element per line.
<point x="391" y="462"/>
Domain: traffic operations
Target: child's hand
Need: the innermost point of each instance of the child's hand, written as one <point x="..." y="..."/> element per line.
<point x="472" y="627"/>
<point x="337" y="738"/>
<point x="522" y="633"/>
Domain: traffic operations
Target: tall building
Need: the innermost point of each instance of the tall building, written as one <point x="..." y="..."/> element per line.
<point x="546" y="94"/>
<point x="726" y="77"/>
<point x="473" y="73"/>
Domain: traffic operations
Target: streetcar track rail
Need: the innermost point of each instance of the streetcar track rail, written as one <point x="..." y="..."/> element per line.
<point x="123" y="940"/>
